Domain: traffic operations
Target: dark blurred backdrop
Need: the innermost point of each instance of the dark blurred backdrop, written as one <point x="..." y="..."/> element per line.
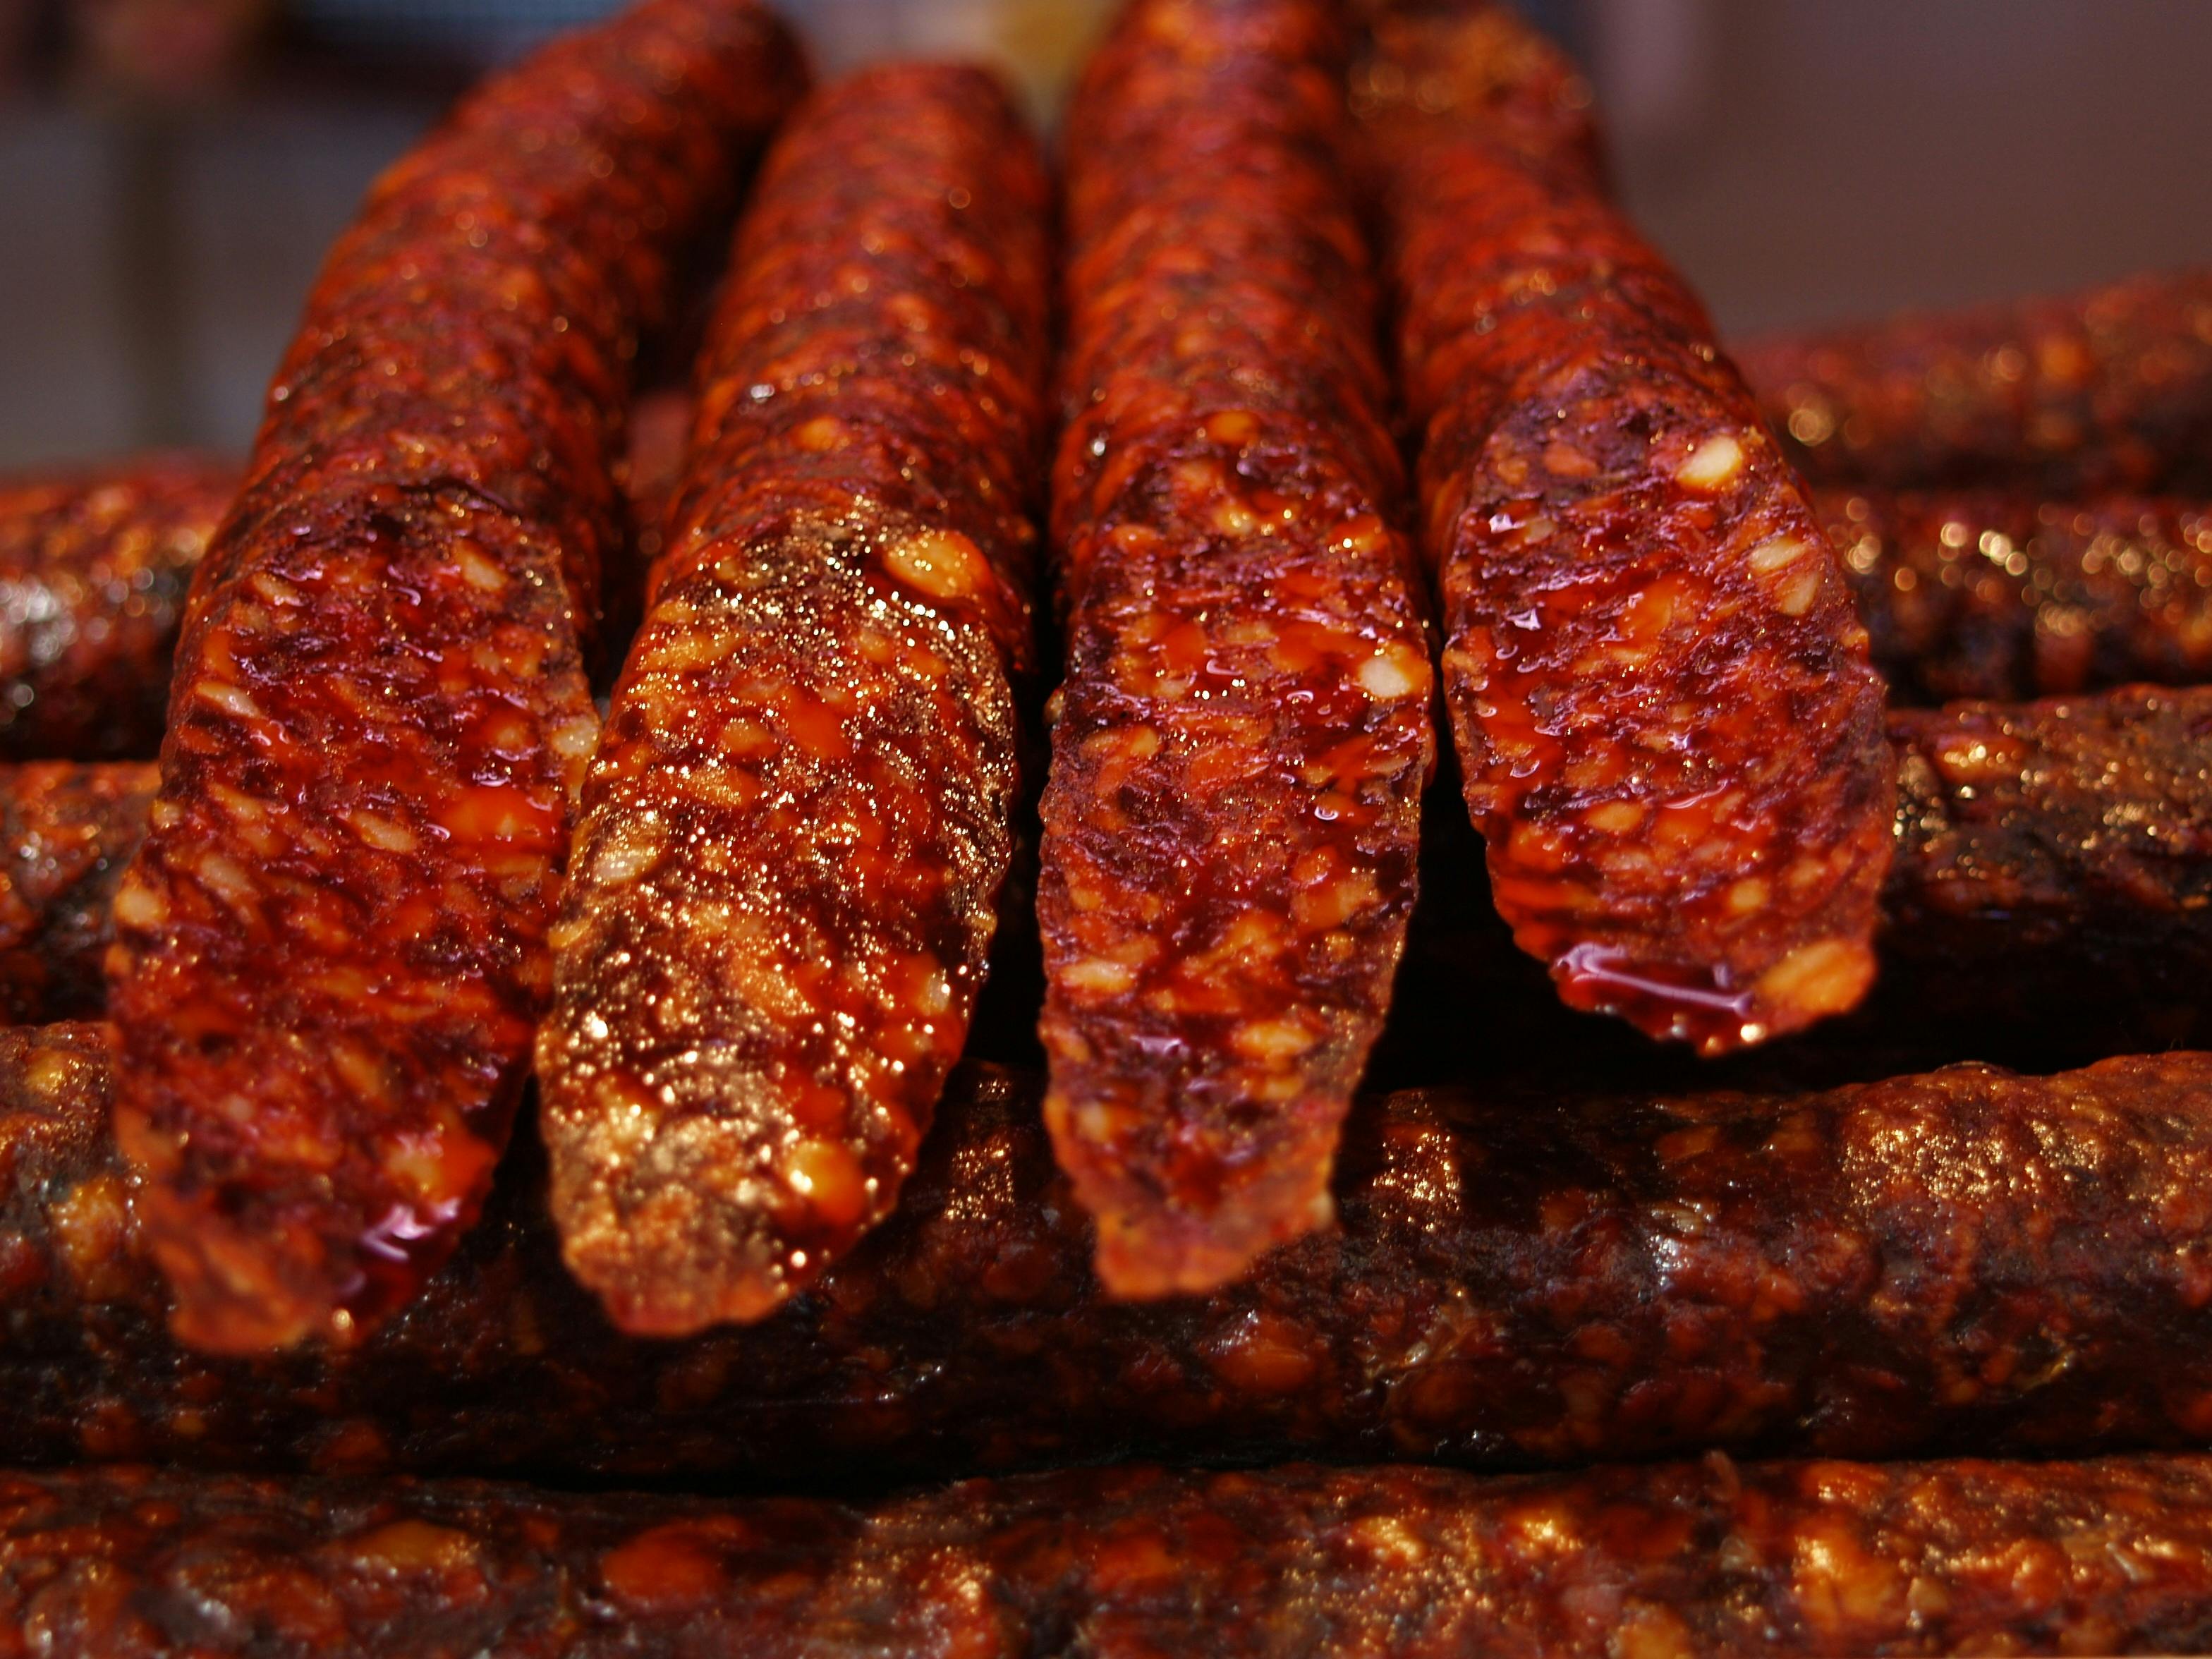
<point x="170" y="170"/>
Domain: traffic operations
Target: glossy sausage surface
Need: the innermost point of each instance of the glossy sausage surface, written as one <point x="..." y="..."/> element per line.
<point x="330" y="950"/>
<point x="67" y="832"/>
<point x="1997" y="593"/>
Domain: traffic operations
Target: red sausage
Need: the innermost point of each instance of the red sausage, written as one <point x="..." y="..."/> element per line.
<point x="1997" y="593"/>
<point x="330" y="953"/>
<point x="94" y="566"/>
<point x="67" y="832"/>
<point x="1668" y="726"/>
<point x="1383" y="1563"/>
<point x="1232" y="818"/>
<point x="798" y="821"/>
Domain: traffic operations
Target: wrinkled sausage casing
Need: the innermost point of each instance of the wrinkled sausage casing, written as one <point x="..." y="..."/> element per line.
<point x="1668" y="729"/>
<point x="1232" y="818"/>
<point x="2110" y="388"/>
<point x="798" y="820"/>
<point x="1823" y="1558"/>
<point x="1965" y="1261"/>
<point x="94" y="569"/>
<point x="1994" y="593"/>
<point x="331" y="951"/>
<point x="67" y="832"/>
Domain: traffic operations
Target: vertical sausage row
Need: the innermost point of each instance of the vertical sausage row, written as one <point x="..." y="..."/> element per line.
<point x="331" y="949"/>
<point x="1668" y="729"/>
<point x="1239" y="746"/>
<point x="798" y="820"/>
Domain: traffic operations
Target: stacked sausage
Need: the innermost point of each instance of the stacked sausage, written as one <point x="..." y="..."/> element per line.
<point x="801" y="822"/>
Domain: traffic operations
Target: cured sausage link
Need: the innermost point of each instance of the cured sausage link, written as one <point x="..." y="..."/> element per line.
<point x="2109" y="388"/>
<point x="94" y="567"/>
<point x="1823" y="1558"/>
<point x="1968" y="1259"/>
<point x="1231" y="819"/>
<point x="1667" y="726"/>
<point x="798" y="816"/>
<point x="330" y="950"/>
<point x="1997" y="593"/>
<point x="67" y="832"/>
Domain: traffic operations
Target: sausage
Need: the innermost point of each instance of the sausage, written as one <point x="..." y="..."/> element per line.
<point x="1232" y="818"/>
<point x="865" y="196"/>
<point x="67" y="832"/>
<point x="1968" y="1259"/>
<point x="799" y="818"/>
<point x="2047" y="905"/>
<point x="2109" y="388"/>
<point x="1715" y="1556"/>
<point x="2054" y="867"/>
<point x="94" y="566"/>
<point x="1666" y="723"/>
<point x="330" y="950"/>
<point x="1993" y="593"/>
<point x="2050" y="903"/>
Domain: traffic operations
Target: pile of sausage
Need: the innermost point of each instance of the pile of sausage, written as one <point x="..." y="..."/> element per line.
<point x="1007" y="980"/>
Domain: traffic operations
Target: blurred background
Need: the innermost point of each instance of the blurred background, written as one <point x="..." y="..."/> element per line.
<point x="171" y="170"/>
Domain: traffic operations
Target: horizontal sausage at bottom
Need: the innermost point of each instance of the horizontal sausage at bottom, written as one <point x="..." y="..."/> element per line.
<point x="1965" y="1261"/>
<point x="1656" y="1562"/>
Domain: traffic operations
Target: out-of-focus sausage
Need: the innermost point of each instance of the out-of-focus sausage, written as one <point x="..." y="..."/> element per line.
<point x="67" y="832"/>
<point x="1992" y="594"/>
<point x="1967" y="1259"/>
<point x="330" y="950"/>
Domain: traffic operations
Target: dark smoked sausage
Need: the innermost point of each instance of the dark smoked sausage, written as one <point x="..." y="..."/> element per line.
<point x="1232" y="818"/>
<point x="2110" y="388"/>
<point x="1667" y="726"/>
<point x="67" y="832"/>
<point x="1995" y="593"/>
<point x="799" y="818"/>
<point x="1656" y="1563"/>
<point x="93" y="567"/>
<point x="1964" y="1260"/>
<point x="330" y="950"/>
